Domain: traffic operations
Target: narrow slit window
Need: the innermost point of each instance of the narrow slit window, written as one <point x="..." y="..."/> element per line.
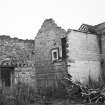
<point x="63" y="42"/>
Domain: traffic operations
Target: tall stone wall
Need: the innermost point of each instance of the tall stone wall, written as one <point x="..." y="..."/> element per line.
<point x="48" y="38"/>
<point x="100" y="30"/>
<point x="83" y="56"/>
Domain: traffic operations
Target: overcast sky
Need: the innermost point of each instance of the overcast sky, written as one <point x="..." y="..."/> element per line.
<point x="23" y="18"/>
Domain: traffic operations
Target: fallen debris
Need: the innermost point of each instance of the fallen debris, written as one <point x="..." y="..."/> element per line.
<point x="84" y="94"/>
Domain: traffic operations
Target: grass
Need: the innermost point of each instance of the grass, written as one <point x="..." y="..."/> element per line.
<point x="22" y="94"/>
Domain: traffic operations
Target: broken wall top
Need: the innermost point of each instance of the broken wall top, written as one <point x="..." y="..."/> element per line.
<point x="49" y="24"/>
<point x="17" y="50"/>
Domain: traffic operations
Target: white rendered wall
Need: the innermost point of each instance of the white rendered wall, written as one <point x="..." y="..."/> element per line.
<point x="83" y="56"/>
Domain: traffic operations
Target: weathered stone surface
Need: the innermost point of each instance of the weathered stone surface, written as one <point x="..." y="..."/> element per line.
<point x="85" y="52"/>
<point x="48" y="37"/>
<point x="20" y="54"/>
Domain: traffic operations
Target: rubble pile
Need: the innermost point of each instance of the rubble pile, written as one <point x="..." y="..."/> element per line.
<point x="76" y="91"/>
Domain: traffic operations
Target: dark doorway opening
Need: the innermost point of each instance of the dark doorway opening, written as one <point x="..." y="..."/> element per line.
<point x="63" y="42"/>
<point x="7" y="76"/>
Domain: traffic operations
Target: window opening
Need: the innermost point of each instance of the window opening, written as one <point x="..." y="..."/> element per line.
<point x="63" y="42"/>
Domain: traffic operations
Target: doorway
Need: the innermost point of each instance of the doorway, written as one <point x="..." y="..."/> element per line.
<point x="7" y="76"/>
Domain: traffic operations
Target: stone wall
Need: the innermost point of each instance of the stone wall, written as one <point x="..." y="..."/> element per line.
<point x="100" y="30"/>
<point x="103" y="55"/>
<point x="25" y="75"/>
<point x="48" y="38"/>
<point x="20" y="54"/>
<point x="83" y="56"/>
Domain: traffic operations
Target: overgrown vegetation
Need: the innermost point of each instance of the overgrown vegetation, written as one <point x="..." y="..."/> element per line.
<point x="22" y="94"/>
<point x="93" y="92"/>
<point x="52" y="93"/>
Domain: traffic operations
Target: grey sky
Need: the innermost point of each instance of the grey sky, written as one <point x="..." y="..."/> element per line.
<point x="23" y="18"/>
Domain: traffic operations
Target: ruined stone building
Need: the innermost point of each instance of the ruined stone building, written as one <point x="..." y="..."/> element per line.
<point x="84" y="58"/>
<point x="16" y="61"/>
<point x="45" y="61"/>
<point x="99" y="32"/>
<point x="77" y="52"/>
<point x="50" y="54"/>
